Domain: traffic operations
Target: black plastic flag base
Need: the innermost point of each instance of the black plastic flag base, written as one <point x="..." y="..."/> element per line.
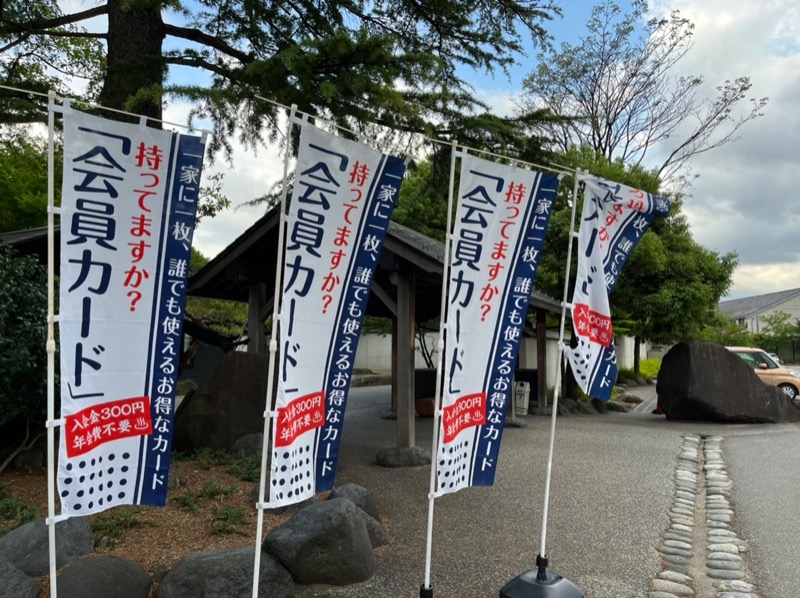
<point x="528" y="585"/>
<point x="425" y="592"/>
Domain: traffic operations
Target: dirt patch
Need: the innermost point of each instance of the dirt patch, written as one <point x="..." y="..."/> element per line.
<point x="211" y="508"/>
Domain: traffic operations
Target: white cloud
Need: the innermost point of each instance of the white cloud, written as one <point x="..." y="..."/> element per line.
<point x="744" y="200"/>
<point x="250" y="174"/>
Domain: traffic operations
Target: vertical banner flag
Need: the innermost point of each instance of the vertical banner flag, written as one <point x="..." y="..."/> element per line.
<point x="614" y="218"/>
<point x="343" y="198"/>
<point x="501" y="220"/>
<point x="127" y="216"/>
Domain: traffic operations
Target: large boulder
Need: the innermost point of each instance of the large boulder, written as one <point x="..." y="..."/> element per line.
<point x="28" y="546"/>
<point x="326" y="543"/>
<point x="362" y="498"/>
<point x="223" y="573"/>
<point x="15" y="584"/>
<point x="104" y="577"/>
<point x="708" y="382"/>
<point x="228" y="405"/>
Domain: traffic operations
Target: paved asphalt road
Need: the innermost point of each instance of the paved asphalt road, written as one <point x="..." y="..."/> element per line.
<point x="611" y="489"/>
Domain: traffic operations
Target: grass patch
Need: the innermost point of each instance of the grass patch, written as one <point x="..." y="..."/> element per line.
<point x="186" y="501"/>
<point x="212" y="490"/>
<point x="114" y="522"/>
<point x="225" y="518"/>
<point x="247" y="467"/>
<point x="13" y="508"/>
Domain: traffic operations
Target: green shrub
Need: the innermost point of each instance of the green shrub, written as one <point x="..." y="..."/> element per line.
<point x="186" y="501"/>
<point x="23" y="332"/>
<point x="212" y="490"/>
<point x="112" y="523"/>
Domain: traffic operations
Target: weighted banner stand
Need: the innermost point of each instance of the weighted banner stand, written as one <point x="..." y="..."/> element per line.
<point x="538" y="583"/>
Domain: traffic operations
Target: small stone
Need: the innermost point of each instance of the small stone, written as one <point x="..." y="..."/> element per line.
<point x="670" y="587"/>
<point x="724" y="556"/>
<point x="678" y="544"/>
<point x="661" y="595"/>
<point x="726" y="533"/>
<point x="666" y="550"/>
<point x="682" y="528"/>
<point x="682" y="521"/>
<point x="730" y="565"/>
<point x="676" y="560"/>
<point x="734" y="595"/>
<point x="718" y="524"/>
<point x="716" y="517"/>
<point x="676" y="577"/>
<point x="725" y="574"/>
<point x="673" y="536"/>
<point x="728" y="547"/>
<point x="734" y="586"/>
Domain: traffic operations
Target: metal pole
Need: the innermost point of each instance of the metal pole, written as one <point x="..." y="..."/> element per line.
<point x="543" y="548"/>
<point x="51" y="344"/>
<point x="426" y="591"/>
<point x="273" y="347"/>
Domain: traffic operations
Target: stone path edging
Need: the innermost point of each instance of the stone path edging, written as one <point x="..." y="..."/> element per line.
<point x="701" y="552"/>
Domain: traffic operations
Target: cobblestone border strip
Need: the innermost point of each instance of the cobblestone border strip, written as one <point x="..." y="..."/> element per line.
<point x="700" y="551"/>
<point x="724" y="562"/>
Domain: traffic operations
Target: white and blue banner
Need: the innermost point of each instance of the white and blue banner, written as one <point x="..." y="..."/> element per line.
<point x="128" y="208"/>
<point x="501" y="220"/>
<point x="343" y="198"/>
<point x="614" y="219"/>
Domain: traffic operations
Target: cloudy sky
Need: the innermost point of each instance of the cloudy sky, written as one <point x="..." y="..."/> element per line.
<point x="746" y="197"/>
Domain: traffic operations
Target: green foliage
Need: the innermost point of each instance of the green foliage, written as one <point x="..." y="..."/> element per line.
<point x="212" y="490"/>
<point x="23" y="332"/>
<point x="224" y="518"/>
<point x="23" y="182"/>
<point x="400" y="63"/>
<point x="113" y="522"/>
<point x="246" y="467"/>
<point x="13" y="508"/>
<point x="186" y="501"/>
<point x="648" y="369"/>
<point x="38" y="61"/>
<point x="227" y="318"/>
<point x="722" y="330"/>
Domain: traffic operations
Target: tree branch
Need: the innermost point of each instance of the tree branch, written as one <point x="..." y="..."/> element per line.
<point x="40" y="25"/>
<point x="205" y="39"/>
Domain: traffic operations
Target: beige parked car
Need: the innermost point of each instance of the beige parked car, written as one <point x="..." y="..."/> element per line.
<point x="769" y="370"/>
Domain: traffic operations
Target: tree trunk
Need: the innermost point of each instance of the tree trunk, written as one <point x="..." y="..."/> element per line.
<point x="134" y="61"/>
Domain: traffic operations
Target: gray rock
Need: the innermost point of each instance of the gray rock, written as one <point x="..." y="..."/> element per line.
<point x="249" y="444"/>
<point x="725" y="574"/>
<point x="599" y="406"/>
<point x="403" y="457"/>
<point x="292" y="508"/>
<point x="707" y="382"/>
<point x="223" y="573"/>
<point x="734" y="586"/>
<point x="676" y="577"/>
<point x="228" y="405"/>
<point x="27" y="547"/>
<point x="15" y="583"/>
<point x="377" y="535"/>
<point x="730" y="565"/>
<point x="671" y="587"/>
<point x="30" y="459"/>
<point x="586" y="408"/>
<point x="104" y="577"/>
<point x="326" y="543"/>
<point x="360" y="496"/>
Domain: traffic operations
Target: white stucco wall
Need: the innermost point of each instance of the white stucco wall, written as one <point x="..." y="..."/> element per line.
<point x="375" y="353"/>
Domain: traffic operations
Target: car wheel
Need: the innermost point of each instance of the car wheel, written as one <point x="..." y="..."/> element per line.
<point x="790" y="390"/>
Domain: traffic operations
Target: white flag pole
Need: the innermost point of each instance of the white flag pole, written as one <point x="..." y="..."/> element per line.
<point x="541" y="559"/>
<point x="273" y="348"/>
<point x="426" y="591"/>
<point x="51" y="343"/>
